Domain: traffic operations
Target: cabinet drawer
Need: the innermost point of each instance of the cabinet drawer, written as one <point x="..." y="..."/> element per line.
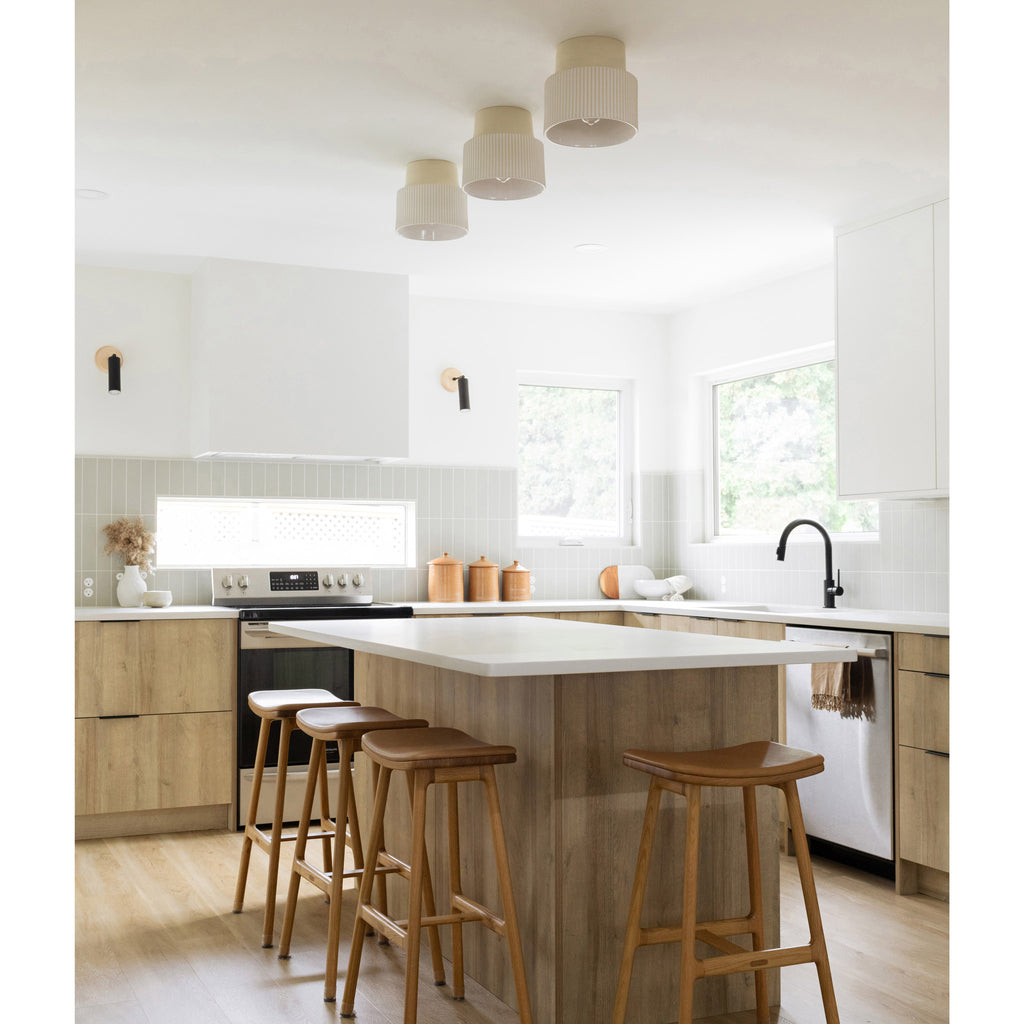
<point x="918" y="652"/>
<point x="924" y="808"/>
<point x="153" y="762"/>
<point x="923" y="711"/>
<point x="154" y="668"/>
<point x="641" y="620"/>
<point x="689" y="624"/>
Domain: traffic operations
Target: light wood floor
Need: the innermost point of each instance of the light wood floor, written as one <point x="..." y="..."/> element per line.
<point x="156" y="941"/>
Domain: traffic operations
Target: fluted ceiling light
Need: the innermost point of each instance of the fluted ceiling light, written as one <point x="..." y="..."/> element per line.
<point x="431" y="207"/>
<point x="503" y="160"/>
<point x="590" y="100"/>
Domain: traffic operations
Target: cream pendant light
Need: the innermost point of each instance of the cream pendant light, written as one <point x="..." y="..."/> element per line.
<point x="503" y="160"/>
<point x="431" y="207"/>
<point x="590" y="100"/>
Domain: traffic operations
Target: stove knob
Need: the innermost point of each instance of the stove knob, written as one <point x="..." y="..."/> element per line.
<point x="328" y="580"/>
<point x="243" y="581"/>
<point x="227" y="583"/>
<point x="342" y="580"/>
<point x="357" y="580"/>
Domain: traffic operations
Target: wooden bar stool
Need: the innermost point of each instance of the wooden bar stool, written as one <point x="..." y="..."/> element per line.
<point x="745" y="766"/>
<point x="431" y="756"/>
<point x="346" y="727"/>
<point x="278" y="706"/>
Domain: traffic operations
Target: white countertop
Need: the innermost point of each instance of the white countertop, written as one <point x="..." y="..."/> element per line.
<point x="936" y="623"/>
<point x="515" y="646"/>
<point x="882" y="620"/>
<point x="174" y="611"/>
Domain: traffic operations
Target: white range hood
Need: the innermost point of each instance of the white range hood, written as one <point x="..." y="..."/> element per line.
<point x="298" y="362"/>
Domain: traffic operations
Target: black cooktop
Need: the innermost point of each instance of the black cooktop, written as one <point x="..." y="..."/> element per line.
<point x="377" y="610"/>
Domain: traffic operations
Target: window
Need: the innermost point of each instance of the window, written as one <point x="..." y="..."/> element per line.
<point x="775" y="454"/>
<point x="283" y="531"/>
<point x="575" y="460"/>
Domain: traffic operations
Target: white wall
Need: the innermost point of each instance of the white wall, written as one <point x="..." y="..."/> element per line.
<point x="491" y="342"/>
<point x="791" y="314"/>
<point x="145" y="315"/>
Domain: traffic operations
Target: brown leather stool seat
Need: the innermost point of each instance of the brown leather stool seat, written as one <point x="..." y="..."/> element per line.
<point x="430" y="756"/>
<point x="276" y="706"/>
<point x="346" y="727"/>
<point x="761" y="763"/>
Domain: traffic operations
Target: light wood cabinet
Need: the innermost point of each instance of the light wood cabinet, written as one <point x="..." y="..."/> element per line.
<point x="154" y="733"/>
<point x="892" y="352"/>
<point x="922" y="764"/>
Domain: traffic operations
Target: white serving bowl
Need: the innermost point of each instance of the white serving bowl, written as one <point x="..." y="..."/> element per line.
<point x="652" y="589"/>
<point x="156" y="598"/>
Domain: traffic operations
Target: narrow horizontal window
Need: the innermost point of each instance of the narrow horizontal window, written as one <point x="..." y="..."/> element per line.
<point x="284" y="531"/>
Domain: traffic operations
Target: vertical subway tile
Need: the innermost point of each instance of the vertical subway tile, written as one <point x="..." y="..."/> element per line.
<point x="189" y="478"/>
<point x="217" y="478"/>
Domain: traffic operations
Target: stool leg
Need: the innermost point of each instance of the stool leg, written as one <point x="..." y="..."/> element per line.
<point x="515" y="945"/>
<point x="287" y="725"/>
<point x="250" y="821"/>
<point x="455" y="889"/>
<point x="419" y="784"/>
<point x="373" y="849"/>
<point x="636" y="902"/>
<point x="382" y="880"/>
<point x="325" y="812"/>
<point x="433" y="937"/>
<point x="346" y="806"/>
<point x="316" y="759"/>
<point x="688" y="969"/>
<point x="803" y="863"/>
<point x="756" y="897"/>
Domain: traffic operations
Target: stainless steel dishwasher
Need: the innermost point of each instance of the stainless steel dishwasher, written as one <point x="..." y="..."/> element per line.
<point x="848" y="809"/>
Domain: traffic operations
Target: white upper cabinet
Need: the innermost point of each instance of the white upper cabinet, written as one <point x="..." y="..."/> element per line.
<point x="892" y="355"/>
<point x="299" y="361"/>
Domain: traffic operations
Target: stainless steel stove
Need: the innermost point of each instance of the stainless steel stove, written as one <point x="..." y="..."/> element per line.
<point x="270" y="661"/>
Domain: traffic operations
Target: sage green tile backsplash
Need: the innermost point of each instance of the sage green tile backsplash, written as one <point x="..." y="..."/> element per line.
<point x="466" y="511"/>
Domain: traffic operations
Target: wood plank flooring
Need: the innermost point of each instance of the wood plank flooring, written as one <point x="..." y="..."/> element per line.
<point x="156" y="942"/>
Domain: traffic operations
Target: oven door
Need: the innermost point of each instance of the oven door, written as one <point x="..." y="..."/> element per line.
<point x="269" y="661"/>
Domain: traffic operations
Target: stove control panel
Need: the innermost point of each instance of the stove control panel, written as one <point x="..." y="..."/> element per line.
<point x="249" y="586"/>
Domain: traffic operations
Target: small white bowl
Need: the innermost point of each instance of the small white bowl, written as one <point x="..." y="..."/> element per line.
<point x="156" y="598"/>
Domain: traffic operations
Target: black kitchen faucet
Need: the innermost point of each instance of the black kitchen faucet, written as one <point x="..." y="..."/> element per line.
<point x="832" y="587"/>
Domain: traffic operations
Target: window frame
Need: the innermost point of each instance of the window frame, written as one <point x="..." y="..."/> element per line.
<point x="740" y="371"/>
<point x="627" y="456"/>
<point x="410" y="529"/>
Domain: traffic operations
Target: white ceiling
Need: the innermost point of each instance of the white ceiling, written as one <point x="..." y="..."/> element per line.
<point x="270" y="131"/>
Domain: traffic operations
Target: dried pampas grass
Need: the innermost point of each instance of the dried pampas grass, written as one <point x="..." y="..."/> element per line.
<point x="129" y="537"/>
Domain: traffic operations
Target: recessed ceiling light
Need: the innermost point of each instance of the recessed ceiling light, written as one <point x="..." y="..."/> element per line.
<point x="91" y="193"/>
<point x="590" y="247"/>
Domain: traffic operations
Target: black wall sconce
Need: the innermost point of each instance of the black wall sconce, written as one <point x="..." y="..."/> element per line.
<point x="452" y="379"/>
<point x="110" y="361"/>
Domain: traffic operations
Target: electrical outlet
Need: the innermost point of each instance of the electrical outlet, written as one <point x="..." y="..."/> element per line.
<point x="721" y="585"/>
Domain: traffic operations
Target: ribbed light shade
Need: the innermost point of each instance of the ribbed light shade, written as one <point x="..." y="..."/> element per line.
<point x="503" y="160"/>
<point x="590" y="100"/>
<point x="431" y="207"/>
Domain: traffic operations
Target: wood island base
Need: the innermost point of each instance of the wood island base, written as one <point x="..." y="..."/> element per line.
<point x="573" y="814"/>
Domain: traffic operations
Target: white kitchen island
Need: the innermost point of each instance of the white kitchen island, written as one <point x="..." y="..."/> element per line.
<point x="571" y="696"/>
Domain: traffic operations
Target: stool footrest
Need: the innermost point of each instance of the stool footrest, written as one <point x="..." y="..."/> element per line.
<point x="717" y="942"/>
<point x="473" y="911"/>
<point x="761" y="960"/>
<point x="384" y="925"/>
<point x="674" y="933"/>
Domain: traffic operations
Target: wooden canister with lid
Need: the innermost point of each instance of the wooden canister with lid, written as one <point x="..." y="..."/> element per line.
<point x="483" y="580"/>
<point x="515" y="583"/>
<point x="444" y="579"/>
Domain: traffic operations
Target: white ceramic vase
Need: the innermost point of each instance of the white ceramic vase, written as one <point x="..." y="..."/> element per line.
<point x="130" y="587"/>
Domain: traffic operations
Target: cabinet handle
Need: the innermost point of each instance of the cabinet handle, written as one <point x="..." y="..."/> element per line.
<point x="937" y="753"/>
<point x="937" y="675"/>
<point x="107" y="718"/>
